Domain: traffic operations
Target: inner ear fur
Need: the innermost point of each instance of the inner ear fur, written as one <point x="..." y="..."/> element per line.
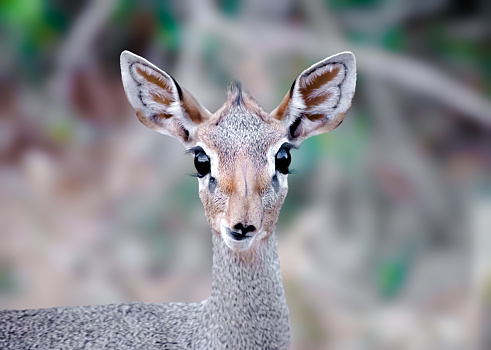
<point x="158" y="100"/>
<point x="319" y="98"/>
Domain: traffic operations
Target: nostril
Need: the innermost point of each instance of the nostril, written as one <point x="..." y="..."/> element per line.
<point x="244" y="229"/>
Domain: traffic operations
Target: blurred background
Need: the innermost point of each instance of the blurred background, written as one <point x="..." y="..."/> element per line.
<point x="385" y="236"/>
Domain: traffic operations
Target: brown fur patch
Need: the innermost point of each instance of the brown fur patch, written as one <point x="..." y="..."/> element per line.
<point x="332" y="124"/>
<point x="191" y="106"/>
<point x="227" y="184"/>
<point x="152" y="79"/>
<point x="245" y="205"/>
<point x="144" y="120"/>
<point x="315" y="101"/>
<point x="161" y="100"/>
<point x="156" y="123"/>
<point x="189" y="103"/>
<point x="319" y="81"/>
<point x="280" y="112"/>
<point x="313" y="117"/>
<point x="316" y="83"/>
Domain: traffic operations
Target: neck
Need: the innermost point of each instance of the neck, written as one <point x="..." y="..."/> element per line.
<point x="247" y="304"/>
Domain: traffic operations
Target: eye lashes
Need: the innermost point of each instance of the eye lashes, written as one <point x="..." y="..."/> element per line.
<point x="288" y="146"/>
<point x="194" y="150"/>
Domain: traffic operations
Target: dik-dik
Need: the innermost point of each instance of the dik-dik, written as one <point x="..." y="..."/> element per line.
<point x="242" y="158"/>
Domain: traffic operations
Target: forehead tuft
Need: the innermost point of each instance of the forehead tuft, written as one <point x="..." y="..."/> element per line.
<point x="236" y="94"/>
<point x="241" y="132"/>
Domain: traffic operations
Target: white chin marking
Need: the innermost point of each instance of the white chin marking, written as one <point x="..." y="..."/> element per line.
<point x="232" y="243"/>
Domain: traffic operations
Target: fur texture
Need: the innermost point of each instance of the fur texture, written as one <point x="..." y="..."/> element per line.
<point x="246" y="310"/>
<point x="242" y="194"/>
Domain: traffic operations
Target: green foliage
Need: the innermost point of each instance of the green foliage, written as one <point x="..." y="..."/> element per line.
<point x="7" y="280"/>
<point x="464" y="51"/>
<point x="61" y="132"/>
<point x="347" y="4"/>
<point x="21" y="12"/>
<point x="390" y="277"/>
<point x="229" y="7"/>
<point x="168" y="33"/>
<point x="394" y="39"/>
<point x="162" y="12"/>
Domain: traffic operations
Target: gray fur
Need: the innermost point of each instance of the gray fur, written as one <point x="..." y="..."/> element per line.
<point x="242" y="132"/>
<point x="246" y="310"/>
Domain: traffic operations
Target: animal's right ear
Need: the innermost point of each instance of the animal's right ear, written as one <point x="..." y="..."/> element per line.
<point x="159" y="102"/>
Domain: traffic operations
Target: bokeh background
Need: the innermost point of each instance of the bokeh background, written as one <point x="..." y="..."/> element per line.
<point x="385" y="236"/>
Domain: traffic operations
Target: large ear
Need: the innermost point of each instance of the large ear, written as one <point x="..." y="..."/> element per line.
<point x="318" y="98"/>
<point x="159" y="102"/>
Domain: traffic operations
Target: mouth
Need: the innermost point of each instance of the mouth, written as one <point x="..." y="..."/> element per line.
<point x="238" y="235"/>
<point x="237" y="240"/>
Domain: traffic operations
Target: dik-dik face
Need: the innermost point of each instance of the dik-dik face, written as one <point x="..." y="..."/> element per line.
<point x="241" y="153"/>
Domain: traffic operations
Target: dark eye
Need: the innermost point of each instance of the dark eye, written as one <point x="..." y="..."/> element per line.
<point x="283" y="160"/>
<point x="202" y="163"/>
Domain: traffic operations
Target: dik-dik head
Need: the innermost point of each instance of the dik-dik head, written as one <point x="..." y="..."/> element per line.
<point x="242" y="153"/>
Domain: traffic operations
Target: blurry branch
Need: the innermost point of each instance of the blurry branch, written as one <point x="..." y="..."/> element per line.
<point x="402" y="156"/>
<point x="325" y="39"/>
<point x="76" y="47"/>
<point x="404" y="71"/>
<point x="424" y="79"/>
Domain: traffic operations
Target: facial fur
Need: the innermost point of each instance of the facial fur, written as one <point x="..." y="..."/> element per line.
<point x="243" y="186"/>
<point x="241" y="152"/>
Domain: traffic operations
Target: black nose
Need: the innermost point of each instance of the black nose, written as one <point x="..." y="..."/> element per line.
<point x="244" y="229"/>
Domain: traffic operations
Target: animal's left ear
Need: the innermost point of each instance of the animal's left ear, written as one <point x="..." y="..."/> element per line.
<point x="318" y="98"/>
